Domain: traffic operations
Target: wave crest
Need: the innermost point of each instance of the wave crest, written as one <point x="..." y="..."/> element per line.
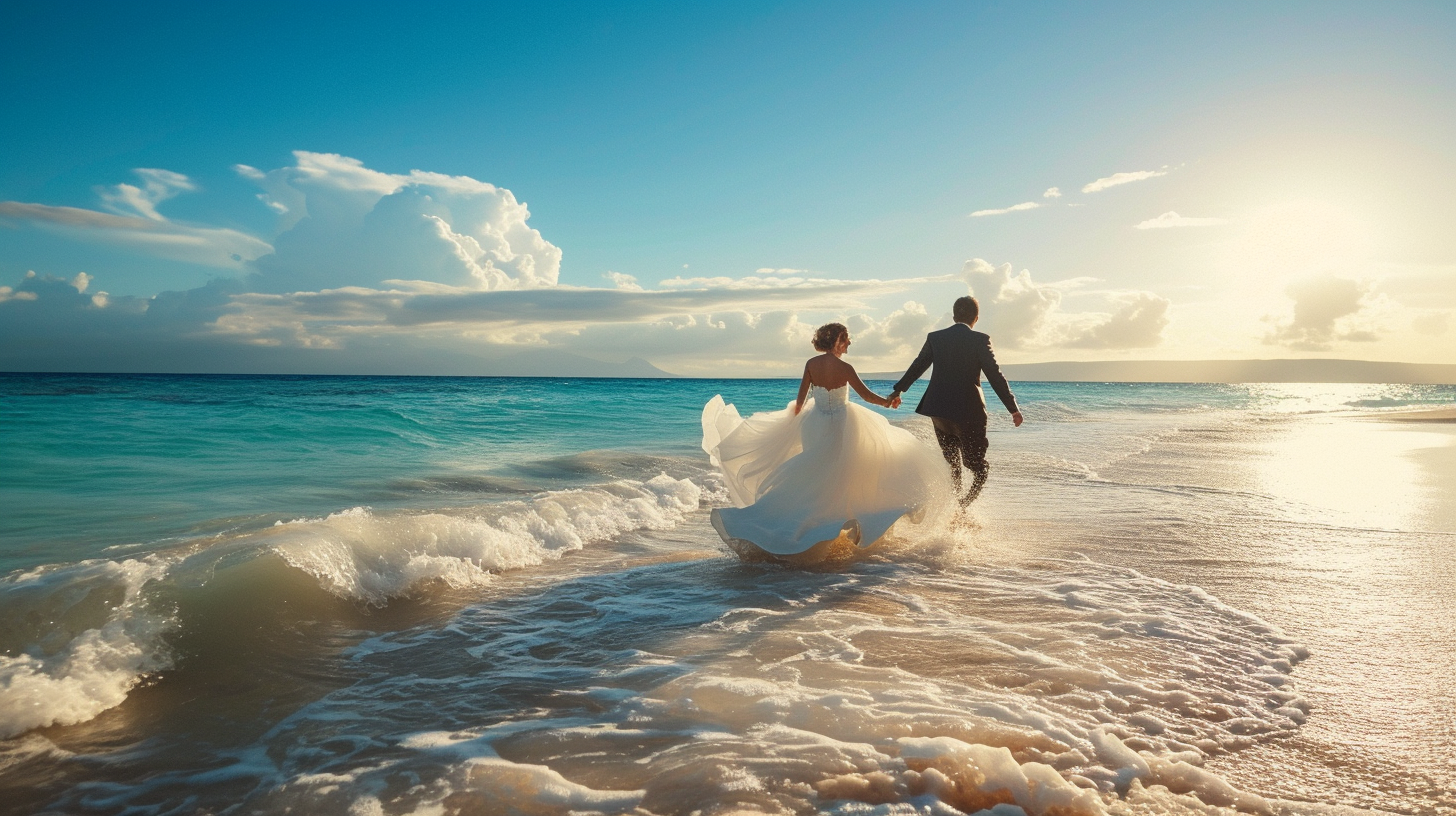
<point x="372" y="557"/>
<point x="99" y="640"/>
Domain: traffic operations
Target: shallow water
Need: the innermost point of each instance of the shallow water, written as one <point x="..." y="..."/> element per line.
<point x="397" y="595"/>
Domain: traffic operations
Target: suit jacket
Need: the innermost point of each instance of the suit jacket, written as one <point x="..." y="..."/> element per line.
<point x="960" y="354"/>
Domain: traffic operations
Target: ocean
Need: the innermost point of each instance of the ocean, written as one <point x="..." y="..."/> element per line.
<point x="418" y="595"/>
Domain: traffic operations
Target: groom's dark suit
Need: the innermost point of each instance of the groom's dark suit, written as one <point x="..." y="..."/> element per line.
<point x="954" y="401"/>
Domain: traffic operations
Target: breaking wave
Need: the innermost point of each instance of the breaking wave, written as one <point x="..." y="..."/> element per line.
<point x="77" y="638"/>
<point x="372" y="557"/>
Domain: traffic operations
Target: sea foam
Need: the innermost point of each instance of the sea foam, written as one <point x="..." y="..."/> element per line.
<point x="371" y="557"/>
<point x="1061" y="689"/>
<point x="100" y="639"/>
<point x="77" y="638"/>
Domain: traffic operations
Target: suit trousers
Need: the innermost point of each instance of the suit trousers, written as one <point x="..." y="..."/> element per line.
<point x="964" y="444"/>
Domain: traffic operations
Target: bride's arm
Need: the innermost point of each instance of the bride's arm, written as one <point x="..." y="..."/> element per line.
<point x="863" y="390"/>
<point x="803" y="391"/>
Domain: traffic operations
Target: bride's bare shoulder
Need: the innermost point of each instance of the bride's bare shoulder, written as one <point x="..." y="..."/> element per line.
<point x="828" y="371"/>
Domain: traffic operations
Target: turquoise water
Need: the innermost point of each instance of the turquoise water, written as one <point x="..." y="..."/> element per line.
<point x="481" y="595"/>
<point x="100" y="461"/>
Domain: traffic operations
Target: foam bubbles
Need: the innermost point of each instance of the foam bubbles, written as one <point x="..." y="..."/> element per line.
<point x="371" y="557"/>
<point x="97" y="639"/>
<point x="1068" y="688"/>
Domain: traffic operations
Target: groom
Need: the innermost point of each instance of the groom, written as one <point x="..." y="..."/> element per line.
<point x="953" y="400"/>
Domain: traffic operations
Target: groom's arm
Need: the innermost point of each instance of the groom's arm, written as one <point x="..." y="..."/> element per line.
<point x="998" y="380"/>
<point x="916" y="369"/>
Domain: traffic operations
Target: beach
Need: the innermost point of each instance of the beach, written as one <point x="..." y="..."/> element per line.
<point x="454" y="595"/>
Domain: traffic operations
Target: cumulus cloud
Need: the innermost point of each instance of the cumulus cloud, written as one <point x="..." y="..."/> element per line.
<point x="1014" y="309"/>
<point x="351" y="225"/>
<point x="1117" y="179"/>
<point x="1022" y="313"/>
<point x="899" y="333"/>
<point x="420" y="273"/>
<point x="621" y="281"/>
<point x="1138" y="323"/>
<point x="157" y="186"/>
<point x="1323" y="312"/>
<point x="1025" y="205"/>
<point x="1052" y="192"/>
<point x="1172" y="219"/>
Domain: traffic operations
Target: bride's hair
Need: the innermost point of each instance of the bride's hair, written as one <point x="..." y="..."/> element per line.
<point x="828" y="334"/>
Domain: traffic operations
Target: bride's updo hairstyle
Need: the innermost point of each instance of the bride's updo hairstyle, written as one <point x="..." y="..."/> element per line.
<point x="827" y="335"/>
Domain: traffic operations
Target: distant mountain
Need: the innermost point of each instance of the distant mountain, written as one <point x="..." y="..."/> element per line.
<point x="1224" y="371"/>
<point x="551" y="363"/>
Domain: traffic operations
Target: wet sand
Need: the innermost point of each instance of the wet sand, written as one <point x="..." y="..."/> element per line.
<point x="1433" y="415"/>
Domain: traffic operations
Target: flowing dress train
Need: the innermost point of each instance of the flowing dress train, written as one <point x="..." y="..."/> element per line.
<point x="836" y="471"/>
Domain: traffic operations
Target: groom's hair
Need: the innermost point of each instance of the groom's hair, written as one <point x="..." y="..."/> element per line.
<point x="965" y="310"/>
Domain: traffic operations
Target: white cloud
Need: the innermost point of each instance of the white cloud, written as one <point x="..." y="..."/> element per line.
<point x="208" y="246"/>
<point x="157" y="186"/>
<point x="1323" y="309"/>
<point x="361" y="308"/>
<point x="1014" y="309"/>
<point x="621" y="281"/>
<point x="50" y="324"/>
<point x="1138" y="323"/>
<point x="428" y="273"/>
<point x="378" y="271"/>
<point x="1022" y="313"/>
<point x="746" y="342"/>
<point x="278" y="195"/>
<point x="350" y="225"/>
<point x="900" y="333"/>
<point x="1117" y="179"/>
<point x="133" y="221"/>
<point x="774" y="282"/>
<point x="1052" y="192"/>
<point x="1025" y="205"/>
<point x="707" y="344"/>
<point x="1172" y="219"/>
<point x="9" y="293"/>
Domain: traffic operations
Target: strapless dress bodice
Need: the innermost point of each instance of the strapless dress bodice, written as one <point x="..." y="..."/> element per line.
<point x="830" y="401"/>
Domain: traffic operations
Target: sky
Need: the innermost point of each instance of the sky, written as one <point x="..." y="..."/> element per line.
<point x="375" y="188"/>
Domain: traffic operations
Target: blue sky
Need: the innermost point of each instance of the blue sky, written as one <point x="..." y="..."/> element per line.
<point x="1304" y="149"/>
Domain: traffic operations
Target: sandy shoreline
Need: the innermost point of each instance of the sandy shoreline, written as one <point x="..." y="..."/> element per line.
<point x="1431" y="415"/>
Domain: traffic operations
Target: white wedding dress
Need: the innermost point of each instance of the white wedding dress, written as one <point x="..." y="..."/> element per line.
<point x="836" y="472"/>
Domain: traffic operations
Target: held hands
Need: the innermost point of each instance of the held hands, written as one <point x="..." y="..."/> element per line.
<point x="894" y="400"/>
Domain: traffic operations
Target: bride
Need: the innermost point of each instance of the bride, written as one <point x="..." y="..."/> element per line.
<point x="823" y="475"/>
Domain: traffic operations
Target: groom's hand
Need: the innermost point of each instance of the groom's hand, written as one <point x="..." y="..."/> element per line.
<point x="894" y="399"/>
<point x="1016" y="418"/>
